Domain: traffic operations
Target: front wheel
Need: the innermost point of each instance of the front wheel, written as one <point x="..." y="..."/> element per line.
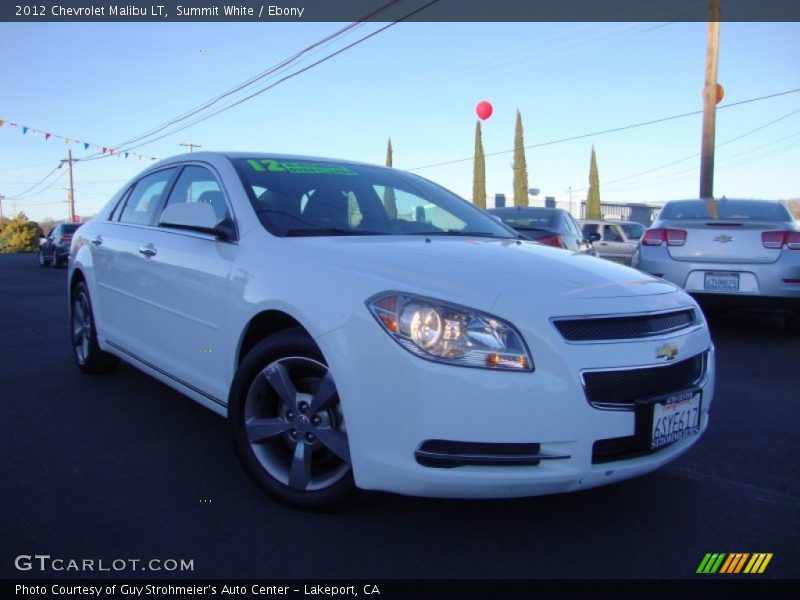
<point x="88" y="355"/>
<point x="288" y="425"/>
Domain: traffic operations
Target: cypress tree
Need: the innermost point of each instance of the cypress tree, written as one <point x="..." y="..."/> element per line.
<point x="520" y="166"/>
<point x="593" y="197"/>
<point x="479" y="171"/>
<point x="389" y="202"/>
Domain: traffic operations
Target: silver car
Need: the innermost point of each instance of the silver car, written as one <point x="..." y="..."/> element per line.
<point x="613" y="240"/>
<point x="746" y="257"/>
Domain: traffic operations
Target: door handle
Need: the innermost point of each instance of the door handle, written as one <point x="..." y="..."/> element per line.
<point x="604" y="243"/>
<point x="97" y="241"/>
<point x="148" y="251"/>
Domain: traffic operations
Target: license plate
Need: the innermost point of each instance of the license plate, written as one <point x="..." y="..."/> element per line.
<point x="675" y="417"/>
<point x="721" y="282"/>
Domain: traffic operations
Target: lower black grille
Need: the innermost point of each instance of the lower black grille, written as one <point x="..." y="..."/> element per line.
<point x="448" y="454"/>
<point x="628" y="386"/>
<point x="622" y="448"/>
<point x="620" y="328"/>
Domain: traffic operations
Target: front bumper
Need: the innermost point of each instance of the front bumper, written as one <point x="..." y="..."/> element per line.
<point x="394" y="402"/>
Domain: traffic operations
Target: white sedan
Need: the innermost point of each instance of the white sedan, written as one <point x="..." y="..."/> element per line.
<point x="363" y="328"/>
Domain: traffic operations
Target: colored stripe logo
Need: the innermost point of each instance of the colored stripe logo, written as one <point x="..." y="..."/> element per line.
<point x="734" y="562"/>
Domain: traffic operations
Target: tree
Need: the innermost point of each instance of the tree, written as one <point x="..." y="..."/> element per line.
<point x="389" y="202"/>
<point x="520" y="166"/>
<point x="479" y="171"/>
<point x="593" y="197"/>
<point x="19" y="235"/>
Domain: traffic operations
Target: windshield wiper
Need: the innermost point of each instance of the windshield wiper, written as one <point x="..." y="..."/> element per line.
<point x="332" y="231"/>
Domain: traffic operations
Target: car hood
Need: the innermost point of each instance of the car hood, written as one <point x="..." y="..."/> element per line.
<point x="463" y="268"/>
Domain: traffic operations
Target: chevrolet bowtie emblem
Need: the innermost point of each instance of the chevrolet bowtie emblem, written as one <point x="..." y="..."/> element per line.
<point x="667" y="351"/>
<point x="723" y="239"/>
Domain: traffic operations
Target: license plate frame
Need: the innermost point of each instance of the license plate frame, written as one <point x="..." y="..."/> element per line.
<point x="669" y="410"/>
<point x="721" y="282"/>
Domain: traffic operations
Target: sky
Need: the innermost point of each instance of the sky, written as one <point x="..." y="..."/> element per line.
<point x="418" y="83"/>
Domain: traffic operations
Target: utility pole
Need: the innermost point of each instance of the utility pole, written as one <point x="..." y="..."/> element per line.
<point x="69" y="161"/>
<point x="191" y="146"/>
<point x="710" y="109"/>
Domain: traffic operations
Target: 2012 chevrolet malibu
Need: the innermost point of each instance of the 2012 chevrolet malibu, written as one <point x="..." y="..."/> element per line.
<point x="363" y="328"/>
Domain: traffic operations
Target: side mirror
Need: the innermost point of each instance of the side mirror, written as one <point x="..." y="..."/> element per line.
<point x="594" y="237"/>
<point x="196" y="216"/>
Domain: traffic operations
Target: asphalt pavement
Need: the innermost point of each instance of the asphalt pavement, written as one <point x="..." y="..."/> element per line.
<point x="122" y="466"/>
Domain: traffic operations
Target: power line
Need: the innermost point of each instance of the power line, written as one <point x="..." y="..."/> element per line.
<point x="285" y="63"/>
<point x="723" y="161"/>
<point x="696" y="154"/>
<point x="294" y="74"/>
<point x="281" y="80"/>
<point x="605" y="131"/>
<point x="35" y="185"/>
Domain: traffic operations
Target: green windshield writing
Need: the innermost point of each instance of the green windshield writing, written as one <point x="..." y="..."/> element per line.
<point x="274" y="166"/>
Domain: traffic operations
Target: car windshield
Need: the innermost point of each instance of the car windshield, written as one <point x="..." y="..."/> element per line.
<point x="633" y="231"/>
<point x="306" y="197"/>
<point x="527" y="218"/>
<point x="726" y="209"/>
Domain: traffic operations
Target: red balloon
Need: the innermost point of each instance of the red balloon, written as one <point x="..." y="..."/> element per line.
<point x="484" y="110"/>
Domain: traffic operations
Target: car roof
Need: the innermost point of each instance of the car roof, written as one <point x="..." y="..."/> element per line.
<point x="521" y="208"/>
<point x="213" y="156"/>
<point x="616" y="221"/>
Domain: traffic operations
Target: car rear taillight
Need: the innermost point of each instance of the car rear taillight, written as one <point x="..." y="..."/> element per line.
<point x="64" y="239"/>
<point x="552" y="240"/>
<point x="656" y="237"/>
<point x="779" y="239"/>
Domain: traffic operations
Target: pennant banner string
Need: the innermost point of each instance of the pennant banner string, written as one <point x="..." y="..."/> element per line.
<point x="86" y="145"/>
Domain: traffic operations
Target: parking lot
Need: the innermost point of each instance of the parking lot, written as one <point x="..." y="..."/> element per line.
<point x="121" y="466"/>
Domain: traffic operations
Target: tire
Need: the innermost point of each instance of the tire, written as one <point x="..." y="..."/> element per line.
<point x="42" y="259"/>
<point x="288" y="426"/>
<point x="83" y="335"/>
<point x="56" y="262"/>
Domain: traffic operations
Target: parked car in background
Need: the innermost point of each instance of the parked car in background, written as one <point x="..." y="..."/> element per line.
<point x="364" y="328"/>
<point x="746" y="257"/>
<point x="550" y="226"/>
<point x="613" y="240"/>
<point x="54" y="249"/>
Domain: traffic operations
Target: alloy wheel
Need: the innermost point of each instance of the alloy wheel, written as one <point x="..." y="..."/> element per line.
<point x="294" y="424"/>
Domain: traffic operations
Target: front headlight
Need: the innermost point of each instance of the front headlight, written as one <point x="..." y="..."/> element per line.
<point x="451" y="334"/>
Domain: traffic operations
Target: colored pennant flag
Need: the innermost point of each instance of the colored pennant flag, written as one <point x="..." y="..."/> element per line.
<point x="85" y="146"/>
<point x="47" y="136"/>
<point x="105" y="149"/>
<point x="1" y="122"/>
<point x="24" y="130"/>
<point x="126" y="155"/>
